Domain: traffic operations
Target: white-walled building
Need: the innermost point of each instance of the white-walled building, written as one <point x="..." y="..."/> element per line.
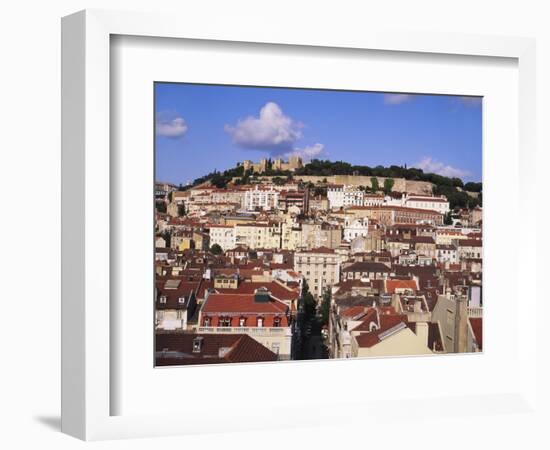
<point x="223" y="235"/>
<point x="439" y="204"/>
<point x="447" y="253"/>
<point x="261" y="198"/>
<point x="343" y="196"/>
<point x="373" y="200"/>
<point x="428" y="202"/>
<point x="355" y="227"/>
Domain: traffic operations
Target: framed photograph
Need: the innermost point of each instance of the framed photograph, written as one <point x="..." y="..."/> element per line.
<point x="255" y="208"/>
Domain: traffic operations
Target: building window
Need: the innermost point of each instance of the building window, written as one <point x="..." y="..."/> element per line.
<point x="242" y="321"/>
<point x="260" y="322"/>
<point x="181" y="300"/>
<point x="277" y="322"/>
<point x="207" y="321"/>
<point x="197" y="344"/>
<point x="225" y="321"/>
<point x="163" y="299"/>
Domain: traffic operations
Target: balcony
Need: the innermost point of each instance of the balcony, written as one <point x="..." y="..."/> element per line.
<point x="475" y="311"/>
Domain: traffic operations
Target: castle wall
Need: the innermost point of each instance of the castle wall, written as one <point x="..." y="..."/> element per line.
<point x="400" y="184"/>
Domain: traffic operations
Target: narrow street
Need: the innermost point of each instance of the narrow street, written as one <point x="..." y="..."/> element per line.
<point x="313" y="344"/>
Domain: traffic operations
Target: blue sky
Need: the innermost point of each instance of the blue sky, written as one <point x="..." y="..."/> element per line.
<point x="200" y="128"/>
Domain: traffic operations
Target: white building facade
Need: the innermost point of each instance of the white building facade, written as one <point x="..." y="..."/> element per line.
<point x="260" y="198"/>
<point x="342" y="196"/>
<point x="439" y="204"/>
<point x="223" y="235"/>
<point x="355" y="228"/>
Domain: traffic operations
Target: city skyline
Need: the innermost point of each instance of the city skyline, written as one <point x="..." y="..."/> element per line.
<point x="217" y="126"/>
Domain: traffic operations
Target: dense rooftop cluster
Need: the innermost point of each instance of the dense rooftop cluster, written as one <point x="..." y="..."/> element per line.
<point x="294" y="269"/>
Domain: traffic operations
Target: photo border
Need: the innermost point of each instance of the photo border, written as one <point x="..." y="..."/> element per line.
<point x="85" y="193"/>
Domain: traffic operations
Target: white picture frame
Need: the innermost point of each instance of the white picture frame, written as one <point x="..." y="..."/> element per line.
<point x="86" y="220"/>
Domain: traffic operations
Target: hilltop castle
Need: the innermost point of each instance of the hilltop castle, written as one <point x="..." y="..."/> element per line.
<point x="294" y="162"/>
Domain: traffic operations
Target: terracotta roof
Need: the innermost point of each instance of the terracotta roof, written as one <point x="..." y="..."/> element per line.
<point x="177" y="349"/>
<point x="387" y="320"/>
<point x="470" y="243"/>
<point x="318" y="250"/>
<point x="393" y="285"/>
<point x="277" y="290"/>
<point x="367" y="266"/>
<point x="371" y="339"/>
<point x="174" y="289"/>
<point x="241" y="303"/>
<point x="353" y="311"/>
<point x="477" y="328"/>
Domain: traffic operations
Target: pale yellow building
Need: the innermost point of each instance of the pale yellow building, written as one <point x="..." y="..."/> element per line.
<point x="396" y="341"/>
<point x="258" y="235"/>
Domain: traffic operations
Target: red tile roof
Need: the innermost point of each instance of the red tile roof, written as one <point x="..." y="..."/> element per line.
<point x="371" y="339"/>
<point x="393" y="285"/>
<point x="470" y="243"/>
<point x="477" y="328"/>
<point x="177" y="349"/>
<point x="318" y="250"/>
<point x="241" y="303"/>
<point x="278" y="290"/>
<point x="183" y="290"/>
<point x="353" y="311"/>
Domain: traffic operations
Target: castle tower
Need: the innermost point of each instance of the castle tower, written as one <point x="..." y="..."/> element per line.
<point x="294" y="162"/>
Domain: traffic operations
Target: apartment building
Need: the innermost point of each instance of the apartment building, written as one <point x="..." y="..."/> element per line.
<point x="355" y="227"/>
<point x="259" y="315"/>
<point x="433" y="203"/>
<point x="258" y="235"/>
<point x="342" y="196"/>
<point x="315" y="235"/>
<point x="223" y="235"/>
<point x="320" y="267"/>
<point x="261" y="198"/>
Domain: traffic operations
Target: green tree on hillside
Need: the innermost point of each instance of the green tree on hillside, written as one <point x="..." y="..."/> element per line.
<point x="374" y="184"/>
<point x="388" y="185"/>
<point x="473" y="187"/>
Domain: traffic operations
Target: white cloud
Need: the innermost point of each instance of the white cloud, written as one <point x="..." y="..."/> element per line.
<point x="430" y="165"/>
<point x="271" y="130"/>
<point x="397" y="99"/>
<point x="172" y="128"/>
<point x="307" y="153"/>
